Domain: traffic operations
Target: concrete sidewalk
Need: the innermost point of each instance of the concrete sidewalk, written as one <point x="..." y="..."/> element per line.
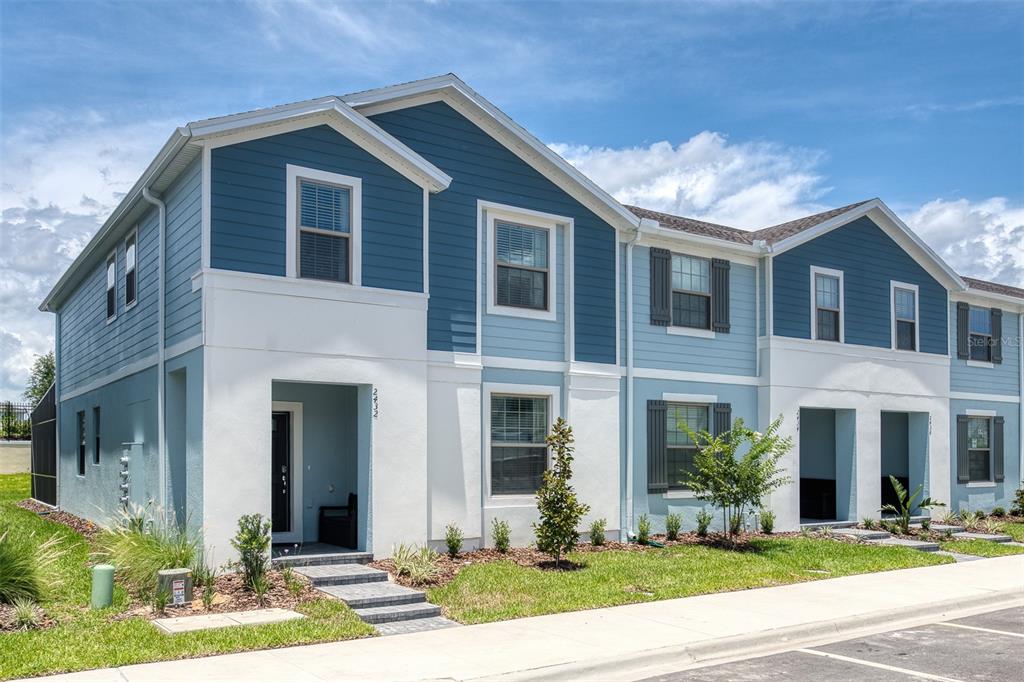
<point x="628" y="642"/>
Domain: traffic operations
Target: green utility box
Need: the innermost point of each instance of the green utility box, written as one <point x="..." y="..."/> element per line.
<point x="102" y="586"/>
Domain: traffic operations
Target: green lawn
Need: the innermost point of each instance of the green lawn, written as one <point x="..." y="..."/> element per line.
<point x="503" y="590"/>
<point x="1015" y="530"/>
<point x="89" y="639"/>
<point x="981" y="548"/>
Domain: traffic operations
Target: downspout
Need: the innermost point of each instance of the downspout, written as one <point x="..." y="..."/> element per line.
<point x="160" y="353"/>
<point x="1020" y="393"/>
<point x="630" y="407"/>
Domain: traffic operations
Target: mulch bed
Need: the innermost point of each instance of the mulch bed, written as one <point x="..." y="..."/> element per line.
<point x="8" y="622"/>
<point x="85" y="528"/>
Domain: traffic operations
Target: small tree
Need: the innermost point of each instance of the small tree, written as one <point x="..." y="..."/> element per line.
<point x="733" y="483"/>
<point x="40" y="378"/>
<point x="560" y="510"/>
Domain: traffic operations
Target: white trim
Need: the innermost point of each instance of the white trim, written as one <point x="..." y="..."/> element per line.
<point x="827" y="272"/>
<point x="106" y="283"/>
<point x="856" y="350"/>
<point x="570" y="297"/>
<point x="678" y="495"/>
<point x="690" y="331"/>
<point x="705" y="247"/>
<point x="980" y="484"/>
<point x="546" y="221"/>
<point x="296" y="469"/>
<point x="700" y="399"/>
<point x="980" y="364"/>
<point x="769" y="297"/>
<point x="426" y="241"/>
<point x="981" y="413"/>
<point x="697" y="377"/>
<point x="479" y="333"/>
<point x="294" y="174"/>
<point x="182" y="347"/>
<point x="207" y="182"/>
<point x="554" y="396"/>
<point x="618" y="304"/>
<point x="134" y="232"/>
<point x="893" y="286"/>
<point x="984" y="397"/>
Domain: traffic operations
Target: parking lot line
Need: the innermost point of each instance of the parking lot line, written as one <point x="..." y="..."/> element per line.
<point x="880" y="666"/>
<point x="973" y="627"/>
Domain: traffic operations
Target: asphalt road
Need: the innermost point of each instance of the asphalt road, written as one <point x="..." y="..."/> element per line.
<point x="988" y="647"/>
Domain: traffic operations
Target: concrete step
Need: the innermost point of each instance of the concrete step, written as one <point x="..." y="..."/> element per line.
<point x="940" y="528"/>
<point x="404" y="627"/>
<point x="834" y="525"/>
<point x="322" y="559"/>
<point x="371" y="595"/>
<point x="398" y="612"/>
<point x="998" y="537"/>
<point x="862" y="533"/>
<point x="341" y="574"/>
<point x="920" y="545"/>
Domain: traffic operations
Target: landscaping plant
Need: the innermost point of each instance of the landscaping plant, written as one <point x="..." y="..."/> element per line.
<point x="161" y="598"/>
<point x="453" y="539"/>
<point x="999" y="512"/>
<point x="252" y="542"/>
<point x="906" y="504"/>
<point x="867" y="523"/>
<point x="560" y="510"/>
<point x="26" y="613"/>
<point x="704" y="519"/>
<point x="970" y="519"/>
<point x="767" y="519"/>
<point x="926" y="524"/>
<point x="673" y="522"/>
<point x="140" y="546"/>
<point x="643" y="529"/>
<point x="992" y="526"/>
<point x="420" y="565"/>
<point x="26" y="568"/>
<point x="1017" y="508"/>
<point x="501" y="533"/>
<point x="597" y="527"/>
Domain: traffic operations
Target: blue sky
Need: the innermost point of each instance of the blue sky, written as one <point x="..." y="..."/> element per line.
<point x="741" y="113"/>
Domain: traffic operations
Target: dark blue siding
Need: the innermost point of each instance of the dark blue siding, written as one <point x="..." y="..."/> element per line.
<point x="869" y="259"/>
<point x="247" y="230"/>
<point x="482" y="168"/>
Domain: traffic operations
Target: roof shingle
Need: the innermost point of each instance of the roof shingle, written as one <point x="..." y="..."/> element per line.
<point x="993" y="287"/>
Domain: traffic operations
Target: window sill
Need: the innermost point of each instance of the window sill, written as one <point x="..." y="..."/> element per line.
<point x="129" y="306"/>
<point x="510" y="501"/>
<point x="679" y="495"/>
<point x="690" y="331"/>
<point x="981" y="364"/>
<point x="982" y="484"/>
<point x="528" y="313"/>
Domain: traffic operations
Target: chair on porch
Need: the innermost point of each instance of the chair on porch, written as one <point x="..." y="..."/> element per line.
<point x="338" y="524"/>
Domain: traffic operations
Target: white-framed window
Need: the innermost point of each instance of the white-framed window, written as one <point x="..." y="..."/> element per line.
<point x="112" y="286"/>
<point x="324" y="225"/>
<point x="680" y="447"/>
<point x="980" y="339"/>
<point x="517" y="421"/>
<point x="827" y="304"/>
<point x="522" y="263"/>
<point x="131" y="280"/>
<point x="979" y="448"/>
<point x="906" y="312"/>
<point x="691" y="291"/>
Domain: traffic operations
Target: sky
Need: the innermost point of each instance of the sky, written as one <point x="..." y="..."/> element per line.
<point x="741" y="113"/>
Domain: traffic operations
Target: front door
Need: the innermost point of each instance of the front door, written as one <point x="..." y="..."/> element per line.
<point x="281" y="473"/>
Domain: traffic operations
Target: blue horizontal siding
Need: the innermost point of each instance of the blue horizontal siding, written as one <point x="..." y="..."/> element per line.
<point x="869" y="259"/>
<point x="247" y="210"/>
<point x="1001" y="379"/>
<point x="482" y="168"/>
<point x="732" y="353"/>
<point x="183" y="311"/>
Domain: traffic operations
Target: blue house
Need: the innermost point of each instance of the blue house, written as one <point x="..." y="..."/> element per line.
<point x="381" y="301"/>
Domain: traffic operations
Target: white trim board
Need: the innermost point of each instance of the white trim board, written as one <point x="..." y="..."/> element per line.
<point x="984" y="397"/>
<point x="355" y="248"/>
<point x="297" y="470"/>
<point x="893" y="286"/>
<point x="827" y="272"/>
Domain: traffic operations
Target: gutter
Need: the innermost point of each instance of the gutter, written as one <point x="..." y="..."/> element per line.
<point x="630" y="408"/>
<point x="161" y="350"/>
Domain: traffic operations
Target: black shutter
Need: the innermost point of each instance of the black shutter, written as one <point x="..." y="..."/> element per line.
<point x="720" y="295"/>
<point x="997" y="335"/>
<point x="657" y="447"/>
<point x="963" y="333"/>
<point x="661" y="287"/>
<point x="722" y="418"/>
<point x="997" y="450"/>
<point x="962" y="465"/>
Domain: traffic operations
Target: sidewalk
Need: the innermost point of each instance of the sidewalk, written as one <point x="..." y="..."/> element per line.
<point x="620" y="642"/>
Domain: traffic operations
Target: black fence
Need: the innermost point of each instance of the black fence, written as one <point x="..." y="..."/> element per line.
<point x="44" y="449"/>
<point x="15" y="421"/>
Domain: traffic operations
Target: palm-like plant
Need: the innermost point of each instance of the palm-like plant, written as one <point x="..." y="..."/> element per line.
<point x="907" y="503"/>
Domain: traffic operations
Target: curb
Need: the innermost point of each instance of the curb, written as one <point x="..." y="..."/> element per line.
<point x="657" y="661"/>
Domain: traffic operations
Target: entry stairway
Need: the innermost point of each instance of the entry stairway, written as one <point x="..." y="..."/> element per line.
<point x="881" y="537"/>
<point x="392" y="609"/>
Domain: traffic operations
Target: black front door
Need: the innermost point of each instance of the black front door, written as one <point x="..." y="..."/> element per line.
<point x="281" y="472"/>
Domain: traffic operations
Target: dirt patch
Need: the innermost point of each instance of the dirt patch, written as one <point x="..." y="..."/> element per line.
<point x="9" y="620"/>
<point x="87" y="529"/>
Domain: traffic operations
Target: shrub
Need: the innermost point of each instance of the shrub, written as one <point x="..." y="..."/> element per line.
<point x="501" y="532"/>
<point x="926" y="524"/>
<point x="453" y="539"/>
<point x="767" y="519"/>
<point x="27" y="569"/>
<point x="868" y="523"/>
<point x="252" y="542"/>
<point x="140" y="547"/>
<point x="1017" y="508"/>
<point x="597" y="532"/>
<point x="260" y="586"/>
<point x="643" y="530"/>
<point x="999" y="512"/>
<point x="704" y="519"/>
<point x="418" y="564"/>
<point x="560" y="510"/>
<point x="906" y="504"/>
<point x="208" y="594"/>
<point x="969" y="519"/>
<point x="26" y="614"/>
<point x="402" y="559"/>
<point x="951" y="518"/>
<point x="673" y="522"/>
<point x="291" y="583"/>
<point x="161" y="598"/>
<point x="735" y="523"/>
<point x="992" y="526"/>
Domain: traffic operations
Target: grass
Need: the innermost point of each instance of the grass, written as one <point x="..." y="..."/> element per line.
<point x="498" y="591"/>
<point x="984" y="548"/>
<point x="85" y="639"/>
<point x="1015" y="530"/>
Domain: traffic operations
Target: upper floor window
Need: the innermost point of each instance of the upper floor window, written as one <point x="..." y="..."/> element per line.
<point x="130" y="280"/>
<point x="680" y="447"/>
<point x="691" y="291"/>
<point x="827" y="295"/>
<point x="904" y="312"/>
<point x="521" y="261"/>
<point x="324" y="215"/>
<point x="979" y="450"/>
<point x="980" y="342"/>
<point x="112" y="286"/>
<point x="519" y="451"/>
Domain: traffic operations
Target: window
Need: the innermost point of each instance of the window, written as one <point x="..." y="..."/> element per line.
<point x="691" y="292"/>
<point x="904" y="307"/>
<point x="521" y="266"/>
<point x="81" y="443"/>
<point x="979" y="452"/>
<point x="980" y="340"/>
<point x="828" y="303"/>
<point x="681" y="449"/>
<point x="111" y="286"/>
<point x="96" y="434"/>
<point x="325" y="226"/>
<point x="130" y="279"/>
<point x="519" y="451"/>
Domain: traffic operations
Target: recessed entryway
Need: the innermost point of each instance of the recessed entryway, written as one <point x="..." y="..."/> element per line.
<point x="827" y="463"/>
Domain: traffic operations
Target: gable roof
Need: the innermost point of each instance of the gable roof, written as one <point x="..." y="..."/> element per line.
<point x="692" y="226"/>
<point x="777" y="233"/>
<point x="993" y="287"/>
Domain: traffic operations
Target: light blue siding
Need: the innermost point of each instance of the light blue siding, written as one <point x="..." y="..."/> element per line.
<point x="869" y="259"/>
<point x="985" y="497"/>
<point x="762" y="296"/>
<point x="1000" y="379"/>
<point x="183" y="432"/>
<point x="183" y="311"/>
<point x="482" y="168"/>
<point x="248" y="206"/>
<point x="732" y="353"/>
